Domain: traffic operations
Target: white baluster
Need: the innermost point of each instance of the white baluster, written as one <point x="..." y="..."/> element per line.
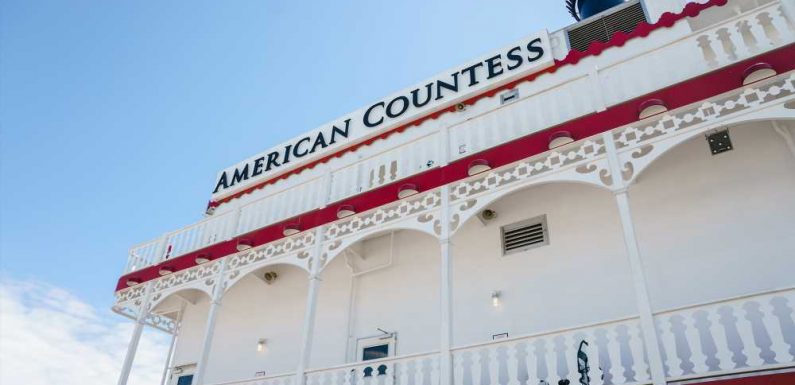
<point x="403" y="379"/>
<point x="551" y="357"/>
<point x="745" y="329"/>
<point x="458" y="368"/>
<point x="773" y="328"/>
<point x="494" y="366"/>
<point x="668" y="340"/>
<point x="718" y="333"/>
<point x="693" y="338"/>
<point x="512" y="362"/>
<point x="347" y="377"/>
<point x="614" y="354"/>
<point x="418" y="377"/>
<point x="532" y="364"/>
<point x="594" y="361"/>
<point x="640" y="367"/>
<point x="570" y="345"/>
<point x="390" y="373"/>
<point x="434" y="362"/>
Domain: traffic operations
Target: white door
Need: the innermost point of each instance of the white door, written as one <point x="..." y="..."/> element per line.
<point x="376" y="348"/>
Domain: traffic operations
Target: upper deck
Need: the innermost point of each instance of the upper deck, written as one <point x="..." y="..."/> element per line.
<point x="578" y="95"/>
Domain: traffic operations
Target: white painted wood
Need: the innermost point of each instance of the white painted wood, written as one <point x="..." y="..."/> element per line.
<point x="718" y="332"/>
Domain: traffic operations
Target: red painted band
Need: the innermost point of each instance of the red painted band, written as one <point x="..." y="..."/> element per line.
<point x="679" y="95"/>
<point x="573" y="57"/>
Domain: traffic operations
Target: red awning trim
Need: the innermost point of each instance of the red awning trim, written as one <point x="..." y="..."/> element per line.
<point x="676" y="96"/>
<point x="618" y="39"/>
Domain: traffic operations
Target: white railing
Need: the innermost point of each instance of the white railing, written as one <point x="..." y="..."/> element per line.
<point x="608" y="353"/>
<point x="144" y="254"/>
<point x="573" y="91"/>
<point x="280" y="206"/>
<point x="415" y="369"/>
<point x="742" y="334"/>
<point x="386" y="167"/>
<point x="280" y="379"/>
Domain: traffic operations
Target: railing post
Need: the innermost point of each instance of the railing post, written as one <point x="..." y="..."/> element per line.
<point x="215" y="305"/>
<point x="446" y="334"/>
<point x="170" y="356"/>
<point x="650" y="337"/>
<point x="311" y="307"/>
<point x="132" y="347"/>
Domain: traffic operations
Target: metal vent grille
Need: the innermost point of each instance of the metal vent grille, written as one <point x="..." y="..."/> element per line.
<point x="602" y="28"/>
<point x="525" y="235"/>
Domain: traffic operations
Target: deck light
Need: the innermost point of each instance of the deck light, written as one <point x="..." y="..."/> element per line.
<point x="478" y="166"/>
<point x="165" y="270"/>
<point x="757" y="72"/>
<point x="560" y="138"/>
<point x="261" y="345"/>
<point x="291" y="230"/>
<point x="495" y="298"/>
<point x="244" y="244"/>
<point x="345" y="211"/>
<point x="719" y="142"/>
<point x="202" y="258"/>
<point x="407" y="190"/>
<point x="133" y="281"/>
<point x="651" y="107"/>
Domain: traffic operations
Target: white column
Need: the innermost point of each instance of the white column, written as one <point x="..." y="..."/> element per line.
<point x="174" y="337"/>
<point x="446" y="310"/>
<point x="311" y="307"/>
<point x="132" y="347"/>
<point x="209" y="330"/>
<point x="636" y="266"/>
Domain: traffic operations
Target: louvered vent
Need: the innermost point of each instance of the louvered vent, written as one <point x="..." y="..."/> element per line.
<point x="602" y="27"/>
<point x="525" y="235"/>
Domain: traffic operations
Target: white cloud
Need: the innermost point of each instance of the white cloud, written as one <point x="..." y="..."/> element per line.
<point x="49" y="336"/>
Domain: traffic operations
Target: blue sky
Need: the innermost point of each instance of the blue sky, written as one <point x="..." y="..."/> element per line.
<point x="116" y="116"/>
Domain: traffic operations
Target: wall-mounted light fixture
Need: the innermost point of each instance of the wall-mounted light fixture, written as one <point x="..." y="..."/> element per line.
<point x="650" y="108"/>
<point x="495" y="298"/>
<point x="560" y="138"/>
<point x="478" y="166"/>
<point x="165" y="270"/>
<point x="291" y="229"/>
<point x="202" y="258"/>
<point x="133" y="281"/>
<point x="261" y="345"/>
<point x="757" y="72"/>
<point x="407" y="190"/>
<point x="244" y="244"/>
<point x="345" y="211"/>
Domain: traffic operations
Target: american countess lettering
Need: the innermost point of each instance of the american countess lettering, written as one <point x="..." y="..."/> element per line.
<point x="528" y="56"/>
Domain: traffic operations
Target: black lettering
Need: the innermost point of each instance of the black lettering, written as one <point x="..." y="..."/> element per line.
<point x="287" y="154"/>
<point x="452" y="87"/>
<point x="335" y="131"/>
<point x="535" y="48"/>
<point x="272" y="161"/>
<point x="298" y="145"/>
<point x="473" y="79"/>
<point x="404" y="100"/>
<point x="514" y="57"/>
<point x="240" y="175"/>
<point x="258" y="166"/>
<point x="320" y="141"/>
<point x="367" y="121"/>
<point x="221" y="182"/>
<point x="494" y="66"/>
<point x="415" y="96"/>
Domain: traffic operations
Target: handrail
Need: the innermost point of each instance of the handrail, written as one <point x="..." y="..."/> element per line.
<point x="540" y="334"/>
<point x="724" y="300"/>
<point x="261" y="378"/>
<point x="373" y="362"/>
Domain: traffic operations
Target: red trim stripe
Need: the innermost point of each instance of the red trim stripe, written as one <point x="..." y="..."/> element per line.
<point x="618" y="39"/>
<point x="679" y="95"/>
